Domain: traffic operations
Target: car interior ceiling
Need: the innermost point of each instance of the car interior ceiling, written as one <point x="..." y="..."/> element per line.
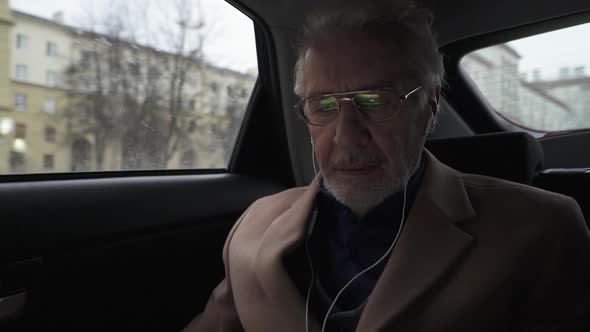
<point x="143" y="251"/>
<point x="461" y="27"/>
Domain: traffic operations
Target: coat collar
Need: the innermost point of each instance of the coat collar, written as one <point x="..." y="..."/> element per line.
<point x="431" y="233"/>
<point x="431" y="243"/>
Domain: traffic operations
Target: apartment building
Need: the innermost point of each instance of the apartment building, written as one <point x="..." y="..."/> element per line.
<point x="495" y="72"/>
<point x="65" y="105"/>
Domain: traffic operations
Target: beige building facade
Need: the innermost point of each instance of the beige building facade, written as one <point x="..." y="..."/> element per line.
<point x="53" y="108"/>
<point x="543" y="105"/>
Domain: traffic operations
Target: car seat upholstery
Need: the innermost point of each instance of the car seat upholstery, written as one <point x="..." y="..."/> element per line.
<point x="513" y="156"/>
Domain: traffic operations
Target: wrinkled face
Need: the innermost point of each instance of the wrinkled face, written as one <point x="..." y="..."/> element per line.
<point x="363" y="162"/>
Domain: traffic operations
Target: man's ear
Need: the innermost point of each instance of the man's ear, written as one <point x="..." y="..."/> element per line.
<point x="432" y="105"/>
<point x="433" y="102"/>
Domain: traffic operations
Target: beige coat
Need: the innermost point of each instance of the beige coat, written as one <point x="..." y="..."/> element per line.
<point x="476" y="254"/>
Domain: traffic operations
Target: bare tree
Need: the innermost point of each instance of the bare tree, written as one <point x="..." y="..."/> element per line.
<point x="124" y="90"/>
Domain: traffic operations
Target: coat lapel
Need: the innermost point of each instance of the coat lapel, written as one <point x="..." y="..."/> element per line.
<point x="286" y="304"/>
<point x="430" y="244"/>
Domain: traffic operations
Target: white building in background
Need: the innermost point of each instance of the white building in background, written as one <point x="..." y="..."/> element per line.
<point x="494" y="70"/>
<point x="37" y="134"/>
<point x="573" y="90"/>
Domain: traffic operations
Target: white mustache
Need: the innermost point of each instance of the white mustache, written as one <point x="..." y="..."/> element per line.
<point x="354" y="160"/>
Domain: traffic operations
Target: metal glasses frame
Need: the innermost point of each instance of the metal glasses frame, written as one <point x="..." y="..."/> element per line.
<point x="299" y="106"/>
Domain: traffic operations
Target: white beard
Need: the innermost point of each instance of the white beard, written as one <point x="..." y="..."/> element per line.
<point x="361" y="196"/>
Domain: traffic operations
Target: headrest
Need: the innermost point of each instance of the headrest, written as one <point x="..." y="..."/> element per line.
<point x="514" y="156"/>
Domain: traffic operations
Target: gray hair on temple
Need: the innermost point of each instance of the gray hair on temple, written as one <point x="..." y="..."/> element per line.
<point x="408" y="25"/>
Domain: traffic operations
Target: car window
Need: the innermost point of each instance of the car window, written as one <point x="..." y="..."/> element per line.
<point x="540" y="82"/>
<point x="124" y="85"/>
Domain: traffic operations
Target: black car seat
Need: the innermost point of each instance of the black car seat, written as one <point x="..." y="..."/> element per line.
<point x="513" y="156"/>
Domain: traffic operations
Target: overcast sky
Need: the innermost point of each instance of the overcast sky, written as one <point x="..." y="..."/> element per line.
<point x="231" y="35"/>
<point x="553" y="50"/>
<point x="230" y="42"/>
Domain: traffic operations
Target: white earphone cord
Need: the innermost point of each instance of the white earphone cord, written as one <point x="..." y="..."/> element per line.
<point x="308" y="296"/>
<point x="315" y="170"/>
<point x="390" y="249"/>
<point x="307" y="247"/>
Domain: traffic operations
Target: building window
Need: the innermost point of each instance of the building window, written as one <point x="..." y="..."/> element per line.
<point x="48" y="162"/>
<point x="134" y="68"/>
<point x="21" y="72"/>
<point x="17" y="161"/>
<point x="20" y="102"/>
<point x="124" y="84"/>
<point x="50" y="107"/>
<point x="20" y="130"/>
<point x="51" y="78"/>
<point x="214" y="87"/>
<point x="50" y="134"/>
<point x="51" y="49"/>
<point x="85" y="57"/>
<point x="545" y="99"/>
<point x="83" y="84"/>
<point x="22" y="41"/>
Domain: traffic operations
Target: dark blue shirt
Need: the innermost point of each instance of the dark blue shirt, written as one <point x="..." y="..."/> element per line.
<point x="342" y="245"/>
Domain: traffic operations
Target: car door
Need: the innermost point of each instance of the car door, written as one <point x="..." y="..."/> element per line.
<point x="532" y="78"/>
<point x="125" y="162"/>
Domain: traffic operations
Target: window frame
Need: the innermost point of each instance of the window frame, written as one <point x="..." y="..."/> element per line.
<point x="18" y="106"/>
<point x="509" y="88"/>
<point x="21" y="41"/>
<point x="466" y="96"/>
<point x="51" y="49"/>
<point x="21" y="72"/>
<point x="20" y="130"/>
<point x="50" y="134"/>
<point x="85" y="57"/>
<point x="48" y="158"/>
<point x="262" y="126"/>
<point x="50" y="110"/>
<point x="51" y="82"/>
<point x="17" y="157"/>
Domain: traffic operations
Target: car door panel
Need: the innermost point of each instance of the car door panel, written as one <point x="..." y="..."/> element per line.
<point x="117" y="254"/>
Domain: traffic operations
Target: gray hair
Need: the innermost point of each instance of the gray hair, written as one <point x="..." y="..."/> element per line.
<point x="411" y="24"/>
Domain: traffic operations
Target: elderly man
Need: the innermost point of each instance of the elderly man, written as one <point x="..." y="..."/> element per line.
<point x="387" y="238"/>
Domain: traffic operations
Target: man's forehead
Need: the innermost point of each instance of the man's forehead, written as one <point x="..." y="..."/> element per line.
<point x="338" y="66"/>
<point x="350" y="46"/>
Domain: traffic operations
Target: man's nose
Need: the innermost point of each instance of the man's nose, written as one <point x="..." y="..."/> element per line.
<point x="351" y="129"/>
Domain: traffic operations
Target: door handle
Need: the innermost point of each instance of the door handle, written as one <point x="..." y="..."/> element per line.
<point x="12" y="306"/>
<point x="17" y="283"/>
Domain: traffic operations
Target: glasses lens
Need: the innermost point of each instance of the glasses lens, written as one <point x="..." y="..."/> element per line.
<point x="377" y="104"/>
<point x="374" y="104"/>
<point x="320" y="110"/>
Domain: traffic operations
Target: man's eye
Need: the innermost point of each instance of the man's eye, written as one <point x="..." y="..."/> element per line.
<point x="328" y="104"/>
<point x="368" y="99"/>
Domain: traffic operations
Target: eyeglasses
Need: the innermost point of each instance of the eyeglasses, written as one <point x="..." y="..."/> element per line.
<point x="375" y="105"/>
